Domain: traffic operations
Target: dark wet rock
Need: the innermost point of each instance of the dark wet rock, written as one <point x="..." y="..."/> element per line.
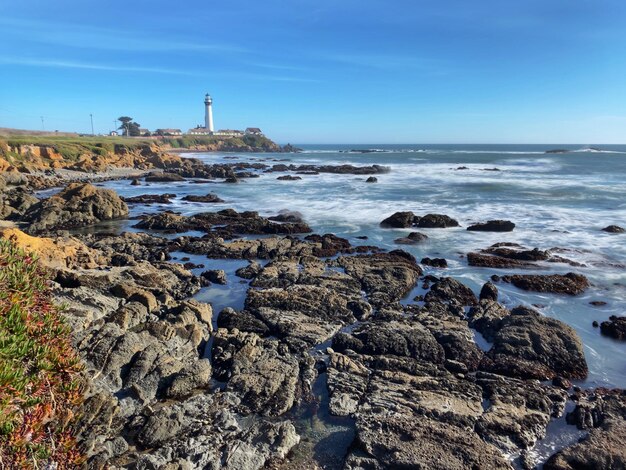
<point x="398" y="338"/>
<point x="486" y="318"/>
<point x="412" y="238"/>
<point x="595" y="324"/>
<point x="417" y="236"/>
<point x="190" y="265"/>
<point x="399" y="220"/>
<point x="385" y="277"/>
<point x="164" y="178"/>
<point x="78" y="205"/>
<point x="232" y="180"/>
<point x="301" y="315"/>
<point x="614" y="229"/>
<point x="150" y="199"/>
<point x="135" y="182"/>
<point x="290" y="149"/>
<point x="361" y="384"/>
<point x="371" y="179"/>
<point x="598" y="303"/>
<point x="261" y="371"/>
<point x="250" y="271"/>
<point x="615" y="327"/>
<point x="287" y="216"/>
<point x="528" y="345"/>
<point x="570" y="283"/>
<point x="165" y="221"/>
<point x="345" y="169"/>
<point x="595" y="407"/>
<point x="306" y="304"/>
<point x="329" y="245"/>
<point x="512" y="255"/>
<point x="195" y="376"/>
<point x="225" y="222"/>
<point x="448" y="290"/>
<point x="361" y="309"/>
<point x="204" y="430"/>
<point x="216" y="276"/>
<point x="15" y="203"/>
<point x="518" y="412"/>
<point x="336" y="169"/>
<point x="208" y="198"/>
<point x="398" y="441"/>
<point x="489" y="292"/>
<point x="603" y="449"/>
<point x="557" y="151"/>
<point x="265" y="248"/>
<point x="129" y="248"/>
<point x="436" y="221"/>
<point x="409" y="219"/>
<point x="289" y="178"/>
<point x="435" y="262"/>
<point x="488" y="261"/>
<point x="562" y="383"/>
<point x="243" y="321"/>
<point x="493" y="226"/>
<point x="448" y="325"/>
<point x="518" y="253"/>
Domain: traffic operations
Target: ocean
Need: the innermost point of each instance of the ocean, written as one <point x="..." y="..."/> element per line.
<point x="556" y="200"/>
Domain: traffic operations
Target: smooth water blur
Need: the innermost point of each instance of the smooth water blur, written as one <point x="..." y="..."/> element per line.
<point x="556" y="200"/>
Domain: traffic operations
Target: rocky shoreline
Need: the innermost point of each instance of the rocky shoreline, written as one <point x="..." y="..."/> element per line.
<point x="174" y="384"/>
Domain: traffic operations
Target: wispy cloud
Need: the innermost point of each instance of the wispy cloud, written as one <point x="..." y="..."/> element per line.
<point x="273" y="78"/>
<point x="89" y="66"/>
<point x="72" y="64"/>
<point x="89" y="37"/>
<point x="386" y="61"/>
<point x="272" y="66"/>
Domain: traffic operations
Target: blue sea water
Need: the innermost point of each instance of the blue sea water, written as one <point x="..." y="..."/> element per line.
<point x="556" y="200"/>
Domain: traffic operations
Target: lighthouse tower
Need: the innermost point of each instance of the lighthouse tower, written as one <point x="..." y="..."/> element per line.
<point x="208" y="113"/>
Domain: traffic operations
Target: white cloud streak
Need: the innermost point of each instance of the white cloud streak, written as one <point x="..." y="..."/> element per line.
<point x="88" y="66"/>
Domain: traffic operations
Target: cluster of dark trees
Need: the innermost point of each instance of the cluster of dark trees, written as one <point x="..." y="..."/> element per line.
<point x="129" y="127"/>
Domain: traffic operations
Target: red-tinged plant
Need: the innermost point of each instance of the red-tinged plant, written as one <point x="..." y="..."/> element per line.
<point x="40" y="382"/>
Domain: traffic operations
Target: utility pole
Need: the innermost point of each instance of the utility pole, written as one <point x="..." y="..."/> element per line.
<point x="91" y="117"/>
<point x="43" y="128"/>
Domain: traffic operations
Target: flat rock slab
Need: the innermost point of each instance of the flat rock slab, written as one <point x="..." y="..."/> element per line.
<point x="570" y="283"/>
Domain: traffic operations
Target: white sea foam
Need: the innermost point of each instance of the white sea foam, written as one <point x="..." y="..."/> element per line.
<point x="554" y="203"/>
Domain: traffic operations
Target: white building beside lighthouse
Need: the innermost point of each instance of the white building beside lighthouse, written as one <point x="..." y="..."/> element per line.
<point x="209" y="128"/>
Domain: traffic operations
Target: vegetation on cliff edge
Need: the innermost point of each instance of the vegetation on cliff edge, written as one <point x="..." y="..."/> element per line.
<point x="40" y="382"/>
<point x="71" y="148"/>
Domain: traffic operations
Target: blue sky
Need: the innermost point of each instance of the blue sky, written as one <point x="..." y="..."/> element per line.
<point x="323" y="71"/>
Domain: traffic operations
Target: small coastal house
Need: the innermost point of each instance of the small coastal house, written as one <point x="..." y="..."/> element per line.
<point x="144" y="132"/>
<point x="229" y="133"/>
<point x="253" y="131"/>
<point x="113" y="134"/>
<point x="199" y="131"/>
<point x="168" y="132"/>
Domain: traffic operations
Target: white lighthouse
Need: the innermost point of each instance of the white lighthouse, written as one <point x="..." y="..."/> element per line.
<point x="208" y="113"/>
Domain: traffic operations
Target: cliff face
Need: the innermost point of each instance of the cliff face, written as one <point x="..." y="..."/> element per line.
<point x="34" y="153"/>
<point x="248" y="143"/>
<point x="40" y="157"/>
